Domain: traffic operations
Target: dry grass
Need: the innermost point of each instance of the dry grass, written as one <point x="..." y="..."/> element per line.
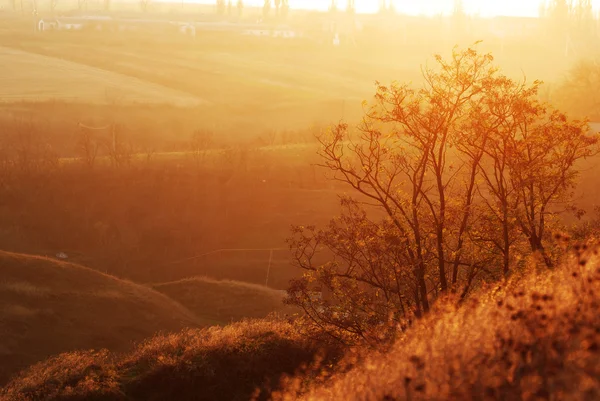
<point x="534" y="338"/>
<point x="223" y="301"/>
<point x="34" y="77"/>
<point x="48" y="307"/>
<point x="232" y="363"/>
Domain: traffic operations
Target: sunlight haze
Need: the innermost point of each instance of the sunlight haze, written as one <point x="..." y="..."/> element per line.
<point x="325" y="200"/>
<point x="486" y="8"/>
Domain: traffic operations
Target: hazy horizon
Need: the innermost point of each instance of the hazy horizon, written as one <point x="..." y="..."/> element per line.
<point x="523" y="8"/>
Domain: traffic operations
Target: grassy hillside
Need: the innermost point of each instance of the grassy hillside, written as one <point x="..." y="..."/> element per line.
<point x="48" y="307"/>
<point x="231" y="363"/>
<point x="258" y="84"/>
<point x="35" y="77"/>
<point x="536" y="338"/>
<point x="222" y="302"/>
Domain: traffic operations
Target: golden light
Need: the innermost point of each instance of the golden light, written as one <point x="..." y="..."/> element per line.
<point x="484" y="8"/>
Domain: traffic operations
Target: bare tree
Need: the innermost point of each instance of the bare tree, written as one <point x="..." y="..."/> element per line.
<point x="333" y="6"/>
<point x="579" y="92"/>
<point x="120" y="153"/>
<point x="351" y="6"/>
<point x="87" y="146"/>
<point x="221" y="7"/>
<point x="201" y="142"/>
<point x="545" y="147"/>
<point x="144" y="4"/>
<point x="266" y="8"/>
<point x="460" y="170"/>
<point x="285" y="8"/>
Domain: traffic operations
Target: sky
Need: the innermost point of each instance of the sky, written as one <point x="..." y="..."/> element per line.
<point x="485" y="8"/>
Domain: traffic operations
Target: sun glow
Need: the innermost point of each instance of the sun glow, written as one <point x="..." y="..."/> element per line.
<point x="484" y="8"/>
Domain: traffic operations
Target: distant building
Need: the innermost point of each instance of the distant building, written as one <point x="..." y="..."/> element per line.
<point x="48" y="25"/>
<point x="275" y="33"/>
<point x="70" y="27"/>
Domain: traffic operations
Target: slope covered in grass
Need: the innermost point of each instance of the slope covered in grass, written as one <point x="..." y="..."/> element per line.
<point x="30" y="76"/>
<point x="223" y="301"/>
<point x="233" y="363"/>
<point x="48" y="307"/>
<point x="534" y="338"/>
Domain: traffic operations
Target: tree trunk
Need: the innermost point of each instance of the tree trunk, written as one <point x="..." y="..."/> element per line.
<point x="537" y="246"/>
<point x="422" y="287"/>
<point x="506" y="241"/>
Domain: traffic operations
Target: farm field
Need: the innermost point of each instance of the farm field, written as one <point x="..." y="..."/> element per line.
<point x="270" y="85"/>
<point x="255" y="84"/>
<point x="37" y="78"/>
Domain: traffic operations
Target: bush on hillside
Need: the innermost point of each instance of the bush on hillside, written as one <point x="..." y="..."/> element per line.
<point x="236" y="362"/>
<point x="531" y="338"/>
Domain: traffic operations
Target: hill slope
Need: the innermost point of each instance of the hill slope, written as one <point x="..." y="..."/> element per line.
<point x="30" y="76"/>
<point x="231" y="363"/>
<point x="224" y="301"/>
<point x="535" y="338"/>
<point x="48" y="307"/>
<point x="530" y="338"/>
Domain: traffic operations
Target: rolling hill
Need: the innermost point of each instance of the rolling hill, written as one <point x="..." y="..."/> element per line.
<point x="33" y="77"/>
<point x="534" y="336"/>
<point x="222" y="302"/>
<point x="239" y="362"/>
<point x="48" y="307"/>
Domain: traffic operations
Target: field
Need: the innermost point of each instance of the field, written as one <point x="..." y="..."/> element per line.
<point x="32" y="77"/>
<point x="255" y="85"/>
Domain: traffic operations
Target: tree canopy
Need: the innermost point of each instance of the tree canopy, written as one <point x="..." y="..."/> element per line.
<point x="454" y="183"/>
<point x="579" y="92"/>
